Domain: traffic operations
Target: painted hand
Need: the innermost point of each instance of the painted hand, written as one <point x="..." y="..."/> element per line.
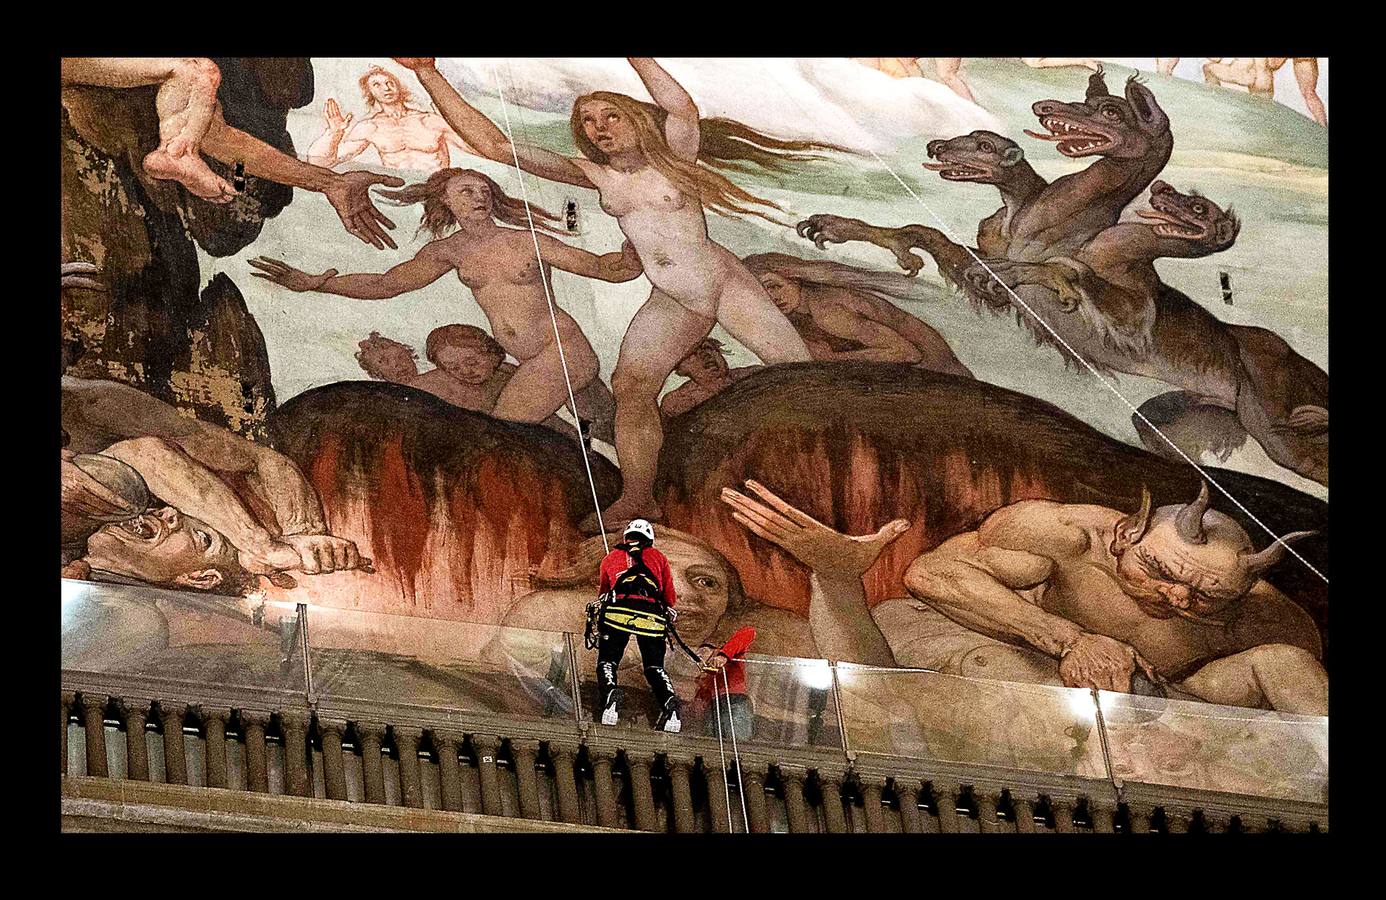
<point x="1097" y="661"/>
<point x="336" y="122"/>
<point x="350" y="196"/>
<point x="415" y="63"/>
<point x="285" y="275"/>
<point x="322" y="553"/>
<point x="811" y="542"/>
<point x="823" y="228"/>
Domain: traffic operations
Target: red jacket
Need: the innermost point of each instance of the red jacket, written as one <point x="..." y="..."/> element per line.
<point x="617" y="561"/>
<point x="735" y="668"/>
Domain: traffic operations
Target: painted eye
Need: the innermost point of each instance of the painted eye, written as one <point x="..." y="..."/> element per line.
<point x="985" y="147"/>
<point x="1199" y="209"/>
<point x="705" y="582"/>
<point x="1111" y="112"/>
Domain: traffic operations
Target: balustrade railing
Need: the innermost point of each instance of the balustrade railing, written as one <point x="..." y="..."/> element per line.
<point x="431" y="714"/>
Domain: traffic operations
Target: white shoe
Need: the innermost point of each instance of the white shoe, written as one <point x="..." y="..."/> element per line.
<point x="610" y="716"/>
<point x="672" y="724"/>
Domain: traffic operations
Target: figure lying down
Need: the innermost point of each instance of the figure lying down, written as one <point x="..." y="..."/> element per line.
<point x="1073" y="594"/>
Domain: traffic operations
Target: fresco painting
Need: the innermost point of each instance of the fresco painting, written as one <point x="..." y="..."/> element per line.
<point x="1069" y="430"/>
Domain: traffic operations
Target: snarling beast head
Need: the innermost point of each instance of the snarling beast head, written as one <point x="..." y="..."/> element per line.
<point x="1104" y="124"/>
<point x="982" y="156"/>
<point x="1189" y="560"/>
<point x="1191" y="217"/>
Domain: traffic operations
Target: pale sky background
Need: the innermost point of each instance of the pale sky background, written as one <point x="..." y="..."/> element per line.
<point x="1286" y="89"/>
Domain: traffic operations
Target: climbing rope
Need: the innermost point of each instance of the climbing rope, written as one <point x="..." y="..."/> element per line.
<point x="1076" y="355"/>
<point x="736" y="752"/>
<point x="553" y="313"/>
<point x="722" y="752"/>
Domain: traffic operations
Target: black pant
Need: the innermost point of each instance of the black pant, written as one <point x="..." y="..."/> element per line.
<point x="611" y="646"/>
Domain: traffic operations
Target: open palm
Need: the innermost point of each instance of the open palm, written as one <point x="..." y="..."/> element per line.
<point x="811" y="542"/>
<point x="285" y="275"/>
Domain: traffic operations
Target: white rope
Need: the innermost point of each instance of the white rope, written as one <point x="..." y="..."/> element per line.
<point x="736" y="753"/>
<point x="722" y="752"/>
<point x="553" y="314"/>
<point x="1109" y="385"/>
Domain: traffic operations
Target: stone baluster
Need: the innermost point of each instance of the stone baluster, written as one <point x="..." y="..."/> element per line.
<point x="755" y="800"/>
<point x="1176" y="821"/>
<point x="485" y="746"/>
<point x="331" y="732"/>
<point x="1102" y="813"/>
<point x="792" y="779"/>
<point x="830" y="784"/>
<point x="171" y="714"/>
<point x="134" y="711"/>
<point x="293" y="725"/>
<point x="681" y="794"/>
<point x="871" y="788"/>
<point x="445" y="744"/>
<point x="946" y="796"/>
<point x="68" y="700"/>
<point x="1215" y="823"/>
<point x="526" y="756"/>
<point x="253" y="726"/>
<point x="718" y="813"/>
<point x="602" y="787"/>
<point x="563" y="757"/>
<point x="214" y="746"/>
<point x="370" y="735"/>
<point x="407" y="746"/>
<point x="907" y="796"/>
<point x="638" y="763"/>
<point x="93" y="720"/>
<point x="1024" y="814"/>
<point x="987" y="821"/>
<point x="1063" y="814"/>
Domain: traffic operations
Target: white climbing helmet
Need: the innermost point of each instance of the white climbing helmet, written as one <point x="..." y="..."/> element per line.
<point x="642" y="528"/>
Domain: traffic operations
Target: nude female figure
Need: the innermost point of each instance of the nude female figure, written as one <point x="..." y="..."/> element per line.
<point x="499" y="266"/>
<point x="643" y="162"/>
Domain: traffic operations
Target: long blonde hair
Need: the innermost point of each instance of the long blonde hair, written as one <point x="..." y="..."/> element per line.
<point x="723" y="144"/>
<point x="439" y="220"/>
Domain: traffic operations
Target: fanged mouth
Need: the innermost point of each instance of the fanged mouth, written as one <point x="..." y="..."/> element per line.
<point x="1173" y="227"/>
<point x="1072" y="140"/>
<point x="957" y="171"/>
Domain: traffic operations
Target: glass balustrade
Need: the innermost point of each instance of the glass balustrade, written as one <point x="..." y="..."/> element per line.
<point x="927" y="715"/>
<point x="1181" y="743"/>
<point x="216" y="645"/>
<point x="178" y="639"/>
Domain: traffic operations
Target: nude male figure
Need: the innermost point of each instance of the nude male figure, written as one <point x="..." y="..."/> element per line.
<point x="403" y="137"/>
<point x="1257" y="75"/>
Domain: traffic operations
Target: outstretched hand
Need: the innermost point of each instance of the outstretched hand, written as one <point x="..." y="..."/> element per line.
<point x="811" y="542"/>
<point x="285" y="275"/>
<point x="415" y="63"/>
<point x="350" y="196"/>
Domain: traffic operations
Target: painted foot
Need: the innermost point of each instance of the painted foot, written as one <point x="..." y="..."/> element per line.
<point x="191" y="172"/>
<point x="617" y="515"/>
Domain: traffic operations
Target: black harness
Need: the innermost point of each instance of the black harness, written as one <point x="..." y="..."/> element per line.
<point x="638" y="583"/>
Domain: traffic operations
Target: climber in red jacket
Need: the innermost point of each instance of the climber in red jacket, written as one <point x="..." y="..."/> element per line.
<point x="637" y="588"/>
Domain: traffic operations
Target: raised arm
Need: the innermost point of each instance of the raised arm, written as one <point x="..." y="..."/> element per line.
<point x="348" y="193"/>
<point x="337" y="144"/>
<point x="681" y="127"/>
<point x="427" y="267"/>
<point x="838" y="613"/>
<point x="481" y="133"/>
<point x="620" y="266"/>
